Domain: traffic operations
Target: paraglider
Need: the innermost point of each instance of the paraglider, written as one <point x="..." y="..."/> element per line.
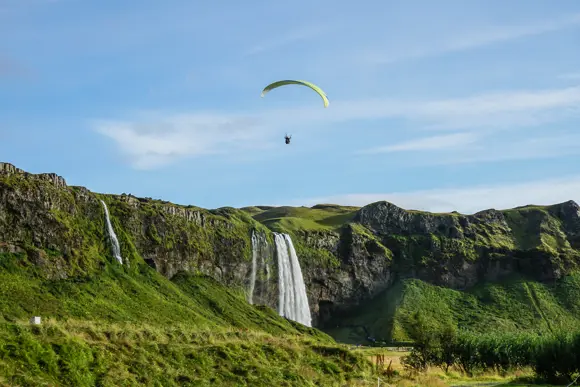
<point x="317" y="89"/>
<point x="277" y="84"/>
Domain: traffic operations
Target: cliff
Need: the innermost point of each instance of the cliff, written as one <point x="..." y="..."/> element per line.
<point x="349" y="256"/>
<point x="61" y="229"/>
<point x="375" y="249"/>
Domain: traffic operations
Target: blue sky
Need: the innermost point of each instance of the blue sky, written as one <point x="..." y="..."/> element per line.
<point x="447" y="105"/>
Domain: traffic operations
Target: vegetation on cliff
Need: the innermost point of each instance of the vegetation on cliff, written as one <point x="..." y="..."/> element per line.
<point x="42" y="215"/>
<point x="512" y="269"/>
<point x="110" y="324"/>
<point x="366" y="269"/>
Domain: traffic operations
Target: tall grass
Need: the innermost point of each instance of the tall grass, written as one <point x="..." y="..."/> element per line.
<point x="554" y="357"/>
<point x="139" y="328"/>
<point x="89" y="353"/>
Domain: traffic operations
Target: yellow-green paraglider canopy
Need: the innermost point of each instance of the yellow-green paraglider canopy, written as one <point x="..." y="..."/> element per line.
<point x="317" y="89"/>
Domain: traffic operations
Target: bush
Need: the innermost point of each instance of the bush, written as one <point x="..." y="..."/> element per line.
<point x="427" y="344"/>
<point x="554" y="357"/>
<point x="558" y="358"/>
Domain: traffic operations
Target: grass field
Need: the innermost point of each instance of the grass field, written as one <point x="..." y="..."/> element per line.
<point x="87" y="353"/>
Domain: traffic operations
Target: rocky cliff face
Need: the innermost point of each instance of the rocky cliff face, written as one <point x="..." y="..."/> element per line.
<point x="457" y="251"/>
<point x="357" y="268"/>
<point x="42" y="215"/>
<point x="346" y="258"/>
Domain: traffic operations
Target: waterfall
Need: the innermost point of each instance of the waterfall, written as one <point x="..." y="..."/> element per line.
<point x="293" y="303"/>
<point x="255" y="252"/>
<point x="265" y="266"/>
<point x="260" y="274"/>
<point x="112" y="236"/>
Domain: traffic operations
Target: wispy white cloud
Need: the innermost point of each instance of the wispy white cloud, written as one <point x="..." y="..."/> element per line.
<point x="293" y="36"/>
<point x="500" y="109"/>
<point x="427" y="143"/>
<point x="470" y="147"/>
<point x="468" y="40"/>
<point x="503" y="102"/>
<point x="468" y="199"/>
<point x="485" y="119"/>
<point x="155" y="140"/>
<point x="160" y="139"/>
<point x="528" y="147"/>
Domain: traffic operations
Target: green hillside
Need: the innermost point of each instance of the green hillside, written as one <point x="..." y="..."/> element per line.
<point x="512" y="305"/>
<point x="289" y="219"/>
<point x="118" y="328"/>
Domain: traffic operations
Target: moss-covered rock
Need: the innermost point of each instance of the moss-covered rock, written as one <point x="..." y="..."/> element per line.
<point x="348" y="255"/>
<point x="459" y="251"/>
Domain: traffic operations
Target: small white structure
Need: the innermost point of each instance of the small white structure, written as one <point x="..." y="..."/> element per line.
<point x="35" y="320"/>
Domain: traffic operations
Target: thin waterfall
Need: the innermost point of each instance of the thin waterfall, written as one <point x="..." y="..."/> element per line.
<point x="265" y="266"/>
<point x="116" y="249"/>
<point x="260" y="275"/>
<point x="255" y="252"/>
<point x="293" y="302"/>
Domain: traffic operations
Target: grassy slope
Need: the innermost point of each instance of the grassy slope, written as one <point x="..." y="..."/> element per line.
<point x="112" y="325"/>
<point x="319" y="217"/>
<point x="513" y="304"/>
<point x="116" y="328"/>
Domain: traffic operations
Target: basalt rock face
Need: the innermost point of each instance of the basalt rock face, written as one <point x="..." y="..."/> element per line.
<point x="356" y="268"/>
<point x="569" y="214"/>
<point x="61" y="231"/>
<point x="384" y="243"/>
<point x="43" y="218"/>
<point x="459" y="251"/>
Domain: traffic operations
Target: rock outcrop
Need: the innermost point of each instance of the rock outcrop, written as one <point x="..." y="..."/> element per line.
<point x="60" y="229"/>
<point x="458" y="251"/>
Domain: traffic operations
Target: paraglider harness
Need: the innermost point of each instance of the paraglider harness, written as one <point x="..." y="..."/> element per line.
<point x="287" y="139"/>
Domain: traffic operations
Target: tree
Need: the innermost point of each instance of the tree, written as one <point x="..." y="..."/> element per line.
<point x="427" y="348"/>
<point x="448" y="343"/>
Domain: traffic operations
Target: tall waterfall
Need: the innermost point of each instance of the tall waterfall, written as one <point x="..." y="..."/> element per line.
<point x="293" y="302"/>
<point x="112" y="236"/>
